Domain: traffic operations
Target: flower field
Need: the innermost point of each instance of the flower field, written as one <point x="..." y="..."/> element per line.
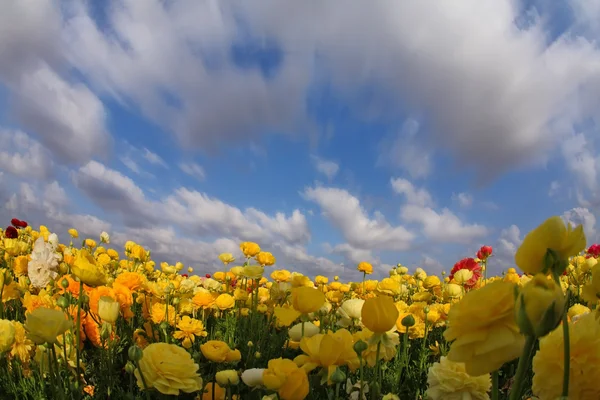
<point x="82" y="319"/>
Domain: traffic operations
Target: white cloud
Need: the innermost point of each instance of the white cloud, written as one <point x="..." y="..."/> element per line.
<point x="464" y="200"/>
<point x="24" y="157"/>
<point x="354" y="255"/>
<point x="404" y="151"/>
<point x="554" y="188"/>
<point x="431" y="265"/>
<point x="443" y="227"/>
<point x="420" y="197"/>
<point x="326" y="167"/>
<point x="154" y="158"/>
<point x="505" y="249"/>
<point x="583" y="216"/>
<point x="345" y="212"/>
<point x="194" y="170"/>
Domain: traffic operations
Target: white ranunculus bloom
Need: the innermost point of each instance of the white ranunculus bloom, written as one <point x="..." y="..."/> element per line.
<point x="253" y="377"/>
<point x="42" y="268"/>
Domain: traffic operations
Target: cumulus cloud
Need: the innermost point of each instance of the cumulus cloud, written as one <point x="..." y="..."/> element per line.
<point x="24" y="157"/>
<point x="464" y="200"/>
<point x="345" y="212"/>
<point x="583" y="216"/>
<point x="194" y="170"/>
<point x="505" y="249"/>
<point x="443" y="226"/>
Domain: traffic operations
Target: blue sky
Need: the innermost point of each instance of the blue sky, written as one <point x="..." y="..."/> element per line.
<point x="387" y="132"/>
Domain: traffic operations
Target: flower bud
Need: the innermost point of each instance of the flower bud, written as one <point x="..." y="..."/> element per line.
<point x="135" y="353"/>
<point x="129" y="367"/>
<point x="360" y="346"/>
<point x="540" y="306"/>
<point x="338" y="376"/>
<point x="408" y="321"/>
<point x="64" y="283"/>
<point x="108" y="309"/>
<point x="62" y="302"/>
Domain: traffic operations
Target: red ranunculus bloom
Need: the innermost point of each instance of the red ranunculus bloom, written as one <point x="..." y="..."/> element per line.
<point x="184" y="275"/>
<point x="594" y="250"/>
<point x="17" y="223"/>
<point x="470" y="264"/>
<point x="484" y="252"/>
<point x="207" y="276"/>
<point x="11" y="232"/>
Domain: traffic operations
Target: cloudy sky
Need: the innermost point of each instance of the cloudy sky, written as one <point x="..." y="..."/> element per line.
<point x="330" y="133"/>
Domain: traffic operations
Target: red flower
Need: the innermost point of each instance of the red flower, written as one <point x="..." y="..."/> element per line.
<point x="471" y="265"/>
<point x="184" y="275"/>
<point x="17" y="223"/>
<point x="207" y="276"/>
<point x="484" y="252"/>
<point x="594" y="250"/>
<point x="11" y="232"/>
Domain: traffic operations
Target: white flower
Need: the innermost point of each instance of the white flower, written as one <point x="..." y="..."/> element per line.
<point x="354" y="390"/>
<point x="104" y="238"/>
<point x="53" y="240"/>
<point x="43" y="264"/>
<point x="211" y="284"/>
<point x="310" y="330"/>
<point x="349" y="310"/>
<point x="253" y="377"/>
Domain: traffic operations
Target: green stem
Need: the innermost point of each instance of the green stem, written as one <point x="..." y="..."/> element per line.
<point x="495" y="388"/>
<point x="524" y="361"/>
<point x="567" y="353"/>
<point x="374" y="391"/>
<point x="78" y="351"/>
<point x="337" y="391"/>
<point x="360" y="389"/>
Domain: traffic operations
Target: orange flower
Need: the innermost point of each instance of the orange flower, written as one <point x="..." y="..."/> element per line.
<point x="132" y="280"/>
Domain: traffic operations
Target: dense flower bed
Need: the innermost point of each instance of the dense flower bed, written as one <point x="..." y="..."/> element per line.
<point x="88" y="322"/>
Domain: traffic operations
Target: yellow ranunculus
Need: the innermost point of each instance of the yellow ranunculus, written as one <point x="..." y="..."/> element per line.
<point x="86" y="270"/>
<point x="379" y="314"/>
<point x="307" y="300"/>
<point x="7" y="335"/>
<point x="169" y="369"/>
<point x="73" y="232"/>
<point x="138" y="252"/>
<point x="285" y="316"/>
<point x="218" y="351"/>
<point x="483" y="328"/>
<point x="284" y="376"/>
<point x="225" y="301"/>
<point x="281" y="275"/>
<point x="552" y="234"/>
<point x="228" y="377"/>
<point x="591" y="291"/>
<point x="250" y="249"/>
<point x="108" y="309"/>
<point x="253" y="271"/>
<point x="226" y="258"/>
<point x="431" y="282"/>
<point x="448" y="380"/>
<point x="540" y="306"/>
<point x="43" y="325"/>
<point x="365" y="267"/>
<point x="265" y="258"/>
<point x="389" y="286"/>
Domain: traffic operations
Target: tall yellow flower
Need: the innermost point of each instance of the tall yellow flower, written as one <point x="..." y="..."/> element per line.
<point x="365" y="267"/>
<point x="43" y="325"/>
<point x="250" y="249"/>
<point x="584" y="374"/>
<point x="328" y="351"/>
<point x="188" y="330"/>
<point x="484" y="330"/>
<point x="379" y="314"/>
<point x="284" y="376"/>
<point x="552" y="234"/>
<point x="86" y="270"/>
<point x="307" y="300"/>
<point x="449" y="380"/>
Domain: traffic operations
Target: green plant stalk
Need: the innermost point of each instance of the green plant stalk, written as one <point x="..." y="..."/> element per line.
<point x="517" y="389"/>
<point x="495" y="388"/>
<point x="78" y="351"/>
<point x="374" y="393"/>
<point x="361" y="369"/>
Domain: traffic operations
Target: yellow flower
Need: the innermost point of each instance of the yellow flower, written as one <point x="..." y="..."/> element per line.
<point x="138" y="252"/>
<point x="169" y="369"/>
<point x="225" y="301"/>
<point x="265" y="258"/>
<point x="307" y="300"/>
<point x="379" y="314"/>
<point x="189" y="328"/>
<point x="43" y="325"/>
<point x="328" y="351"/>
<point x="452" y="291"/>
<point x="226" y="258"/>
<point x="250" y="249"/>
<point x="227" y="377"/>
<point x="219" y="351"/>
<point x="86" y="270"/>
<point x="449" y="380"/>
<point x="540" y="306"/>
<point x="365" y="267"/>
<point x="388" y="347"/>
<point x="159" y="311"/>
<point x="7" y="335"/>
<point x="212" y="391"/>
<point x="431" y="282"/>
<point x="389" y="286"/>
<point x="285" y="316"/>
<point x="577" y="309"/>
<point x="552" y="234"/>
<point x="591" y="291"/>
<point x="548" y="364"/>
<point x="253" y="271"/>
<point x="281" y="275"/>
<point x="20" y="265"/>
<point x="108" y="309"/>
<point x="22" y="345"/>
<point x="73" y="232"/>
<point x="483" y="328"/>
<point x="284" y="376"/>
